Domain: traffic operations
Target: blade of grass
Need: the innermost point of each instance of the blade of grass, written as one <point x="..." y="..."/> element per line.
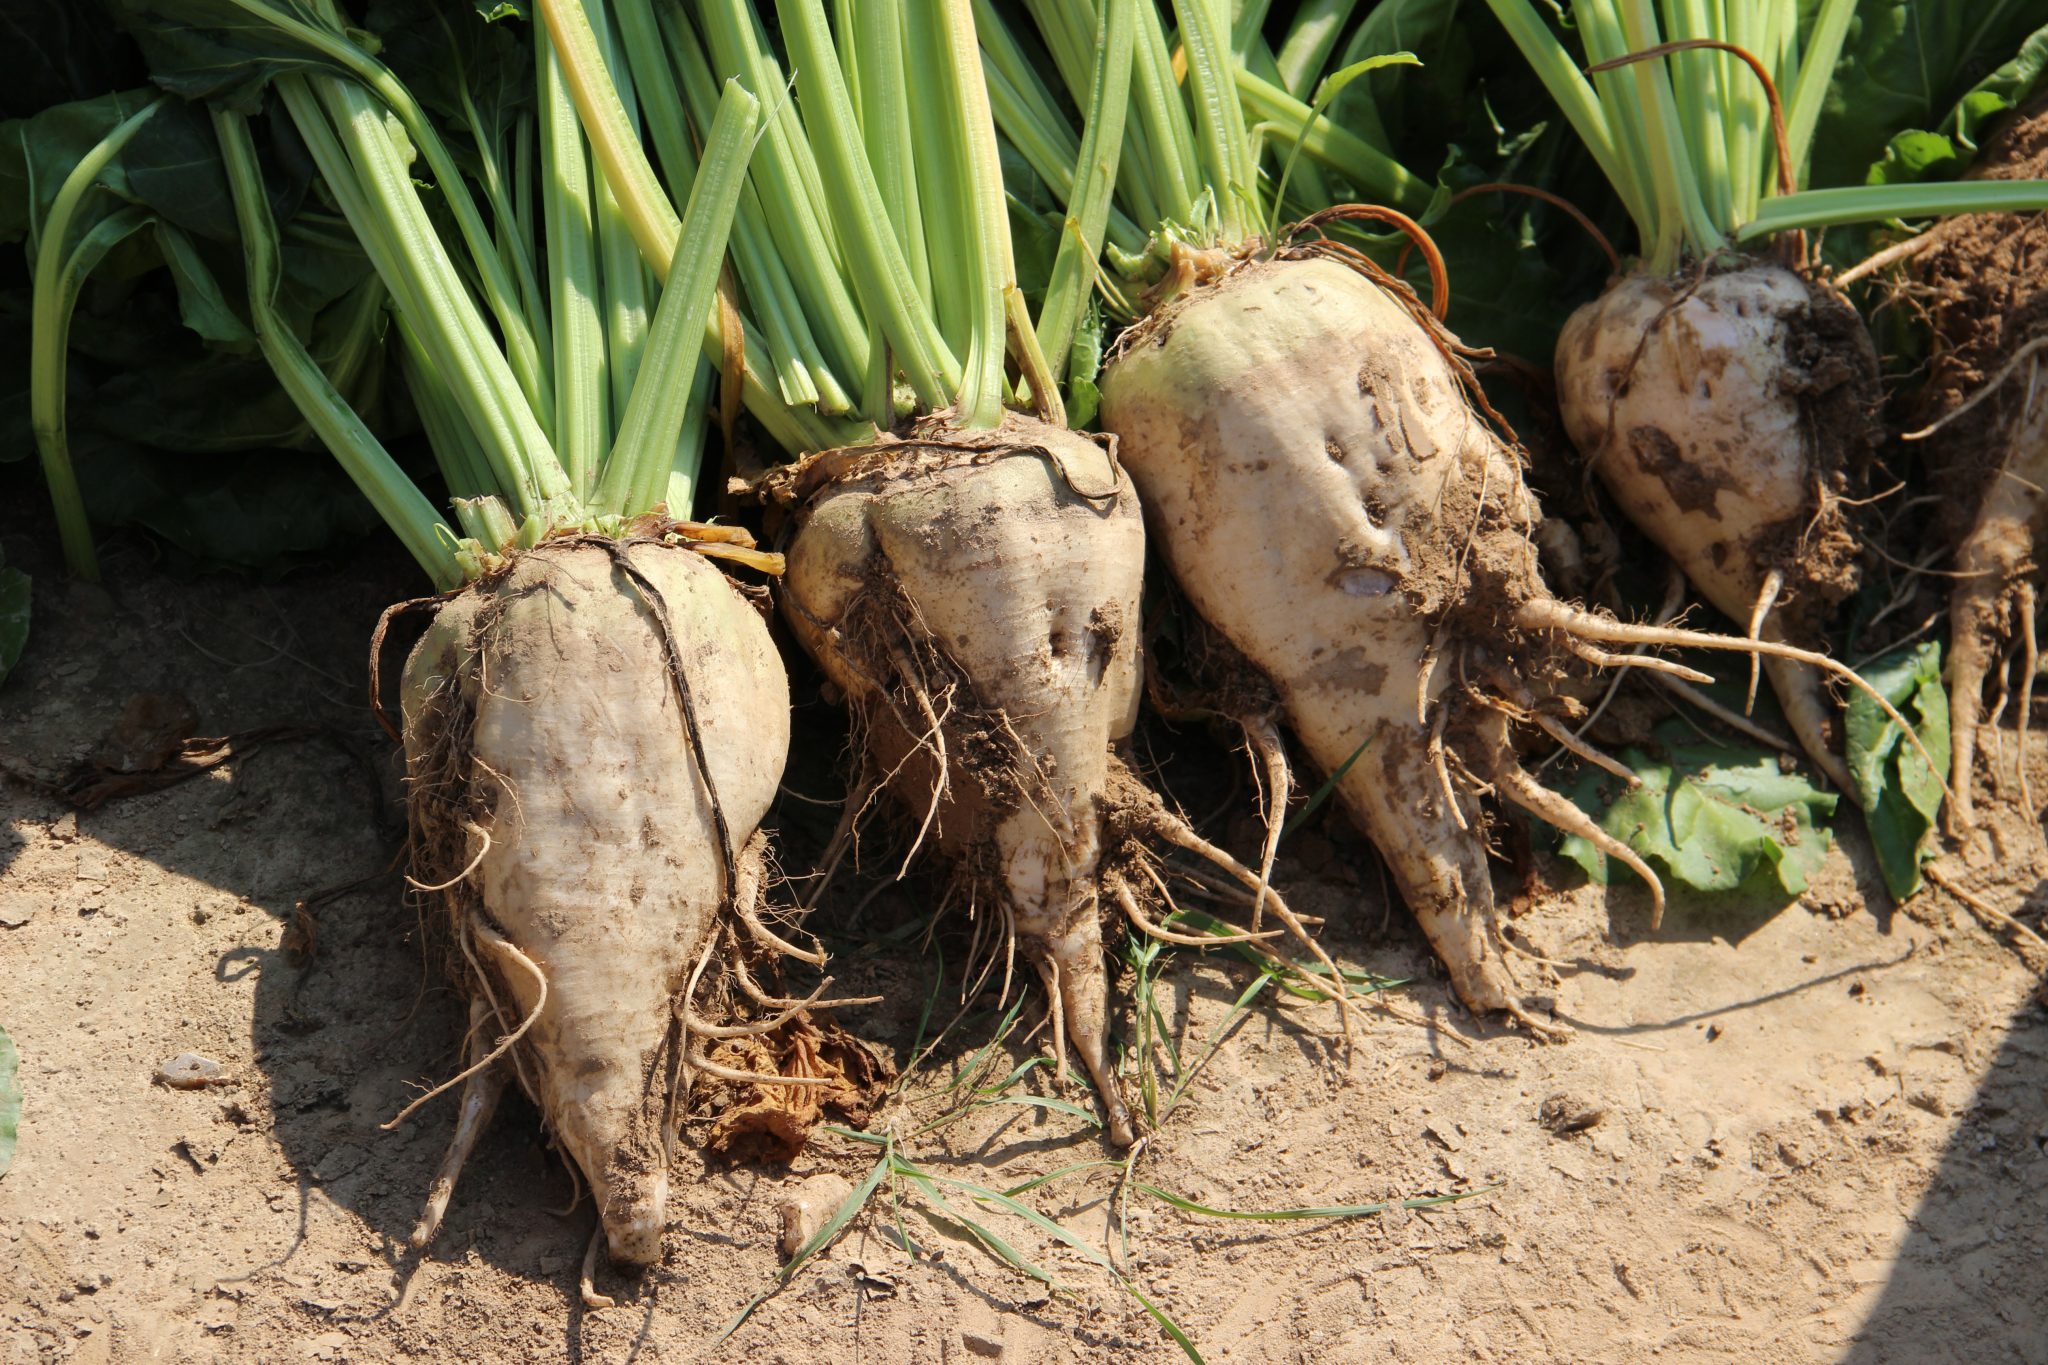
<point x="1186" y="1205"/>
<point x="819" y="1240"/>
<point x="10" y="1100"/>
<point x="982" y="1194"/>
<point x="974" y="1065"/>
<point x="983" y="1235"/>
<point x="1060" y="1173"/>
<point x="1023" y="1069"/>
<point x="1322" y="793"/>
<point x="1325" y="92"/>
<point x="1045" y="1102"/>
<point x="1239" y="1009"/>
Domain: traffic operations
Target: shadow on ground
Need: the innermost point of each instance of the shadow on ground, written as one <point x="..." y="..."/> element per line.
<point x="1951" y="1294"/>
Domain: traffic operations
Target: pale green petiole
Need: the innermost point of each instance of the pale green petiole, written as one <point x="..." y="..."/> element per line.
<point x="60" y="271"/>
<point x="402" y="506"/>
<point x="1869" y="203"/>
<point x="1092" y="186"/>
<point x="636" y="476"/>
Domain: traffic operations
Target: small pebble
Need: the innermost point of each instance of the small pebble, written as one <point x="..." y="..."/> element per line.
<point x="190" y="1071"/>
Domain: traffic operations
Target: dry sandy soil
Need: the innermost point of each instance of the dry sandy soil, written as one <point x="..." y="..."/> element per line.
<point x="1811" y="1132"/>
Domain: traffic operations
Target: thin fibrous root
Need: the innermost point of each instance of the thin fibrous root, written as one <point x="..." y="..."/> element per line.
<point x="498" y="1012"/>
<point x="1422" y="676"/>
<point x="1443" y="772"/>
<point x="586" y="1281"/>
<point x="1501" y="936"/>
<point x="769" y="938"/>
<point x="699" y="1062"/>
<point x="1544" y="1030"/>
<point x="1563" y="735"/>
<point x="750" y="986"/>
<point x="815" y="1000"/>
<point x="503" y="946"/>
<point x="1984" y="390"/>
<point x="1230" y="891"/>
<point x="575" y="1175"/>
<point x="1576" y="623"/>
<point x="746" y="900"/>
<point x="1984" y="909"/>
<point x="462" y="876"/>
<point x="1121" y="889"/>
<point x="1734" y="720"/>
<point x="1056" y="1012"/>
<point x="2030" y="659"/>
<point x="935" y="736"/>
<point x="1264" y="738"/>
<point x="1766" y="598"/>
<point x="1968" y="662"/>
<point x="1600" y="658"/>
<point x="1525" y="791"/>
<point x="479" y="1101"/>
<point x="1179" y="833"/>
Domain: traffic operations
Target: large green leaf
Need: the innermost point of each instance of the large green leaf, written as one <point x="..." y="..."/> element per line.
<point x="10" y="1100"/>
<point x="217" y="50"/>
<point x="58" y="51"/>
<point x="1709" y="817"/>
<point x="1408" y="107"/>
<point x="1901" y="794"/>
<point x="37" y="153"/>
<point x="471" y="73"/>
<point x="174" y="420"/>
<point x="1934" y="70"/>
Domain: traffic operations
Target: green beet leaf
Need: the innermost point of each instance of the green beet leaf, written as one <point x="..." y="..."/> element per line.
<point x="1920" y="67"/>
<point x="1714" y="818"/>
<point x="1901" y="795"/>
<point x="224" y="52"/>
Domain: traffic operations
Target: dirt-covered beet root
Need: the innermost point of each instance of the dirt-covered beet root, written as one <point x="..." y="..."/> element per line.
<point x="1982" y="285"/>
<point x="569" y="793"/>
<point x="975" y="595"/>
<point x="1319" y="482"/>
<point x="1730" y="412"/>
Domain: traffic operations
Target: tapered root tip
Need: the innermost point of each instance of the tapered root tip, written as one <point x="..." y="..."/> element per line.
<point x="1972" y="624"/>
<point x="1515" y="782"/>
<point x="1077" y="991"/>
<point x="1810" y="715"/>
